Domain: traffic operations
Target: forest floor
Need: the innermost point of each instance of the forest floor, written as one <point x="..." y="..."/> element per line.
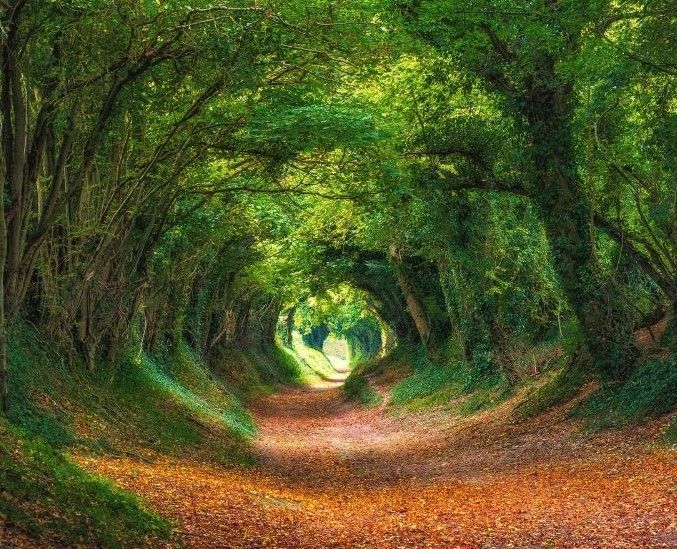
<point x="334" y="474"/>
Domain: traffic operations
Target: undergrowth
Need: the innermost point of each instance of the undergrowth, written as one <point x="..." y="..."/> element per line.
<point x="670" y="435"/>
<point x="559" y="386"/>
<point x="141" y="404"/>
<point x="256" y="372"/>
<point x="45" y="495"/>
<point x="357" y="389"/>
<point x="168" y="403"/>
<point x="651" y="391"/>
<point x="315" y="364"/>
<point x="446" y="380"/>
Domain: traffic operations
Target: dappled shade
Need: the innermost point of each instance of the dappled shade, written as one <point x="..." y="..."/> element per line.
<point x="368" y="273"/>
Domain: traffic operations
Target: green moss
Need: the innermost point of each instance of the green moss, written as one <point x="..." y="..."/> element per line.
<point x="670" y="435"/>
<point x="33" y="370"/>
<point x="437" y="381"/>
<point x="562" y="385"/>
<point x="52" y="499"/>
<point x="357" y="388"/>
<point x="184" y="380"/>
<point x="169" y="402"/>
<point x="255" y="372"/>
<point x="484" y="394"/>
<point x="651" y="391"/>
<point x="446" y="380"/>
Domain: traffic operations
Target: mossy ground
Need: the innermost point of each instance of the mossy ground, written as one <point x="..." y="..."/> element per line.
<point x="443" y="379"/>
<point x="172" y="404"/>
<point x="141" y="405"/>
<point x="357" y="389"/>
<point x="651" y="391"/>
<point x="446" y="380"/>
<point x="46" y="496"/>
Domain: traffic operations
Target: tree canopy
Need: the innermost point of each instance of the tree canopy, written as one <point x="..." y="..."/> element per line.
<point x="438" y="169"/>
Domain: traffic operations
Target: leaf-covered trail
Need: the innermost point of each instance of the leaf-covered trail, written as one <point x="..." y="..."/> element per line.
<point x="335" y="475"/>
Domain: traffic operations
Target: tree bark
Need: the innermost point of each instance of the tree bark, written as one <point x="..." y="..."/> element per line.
<point x="4" y="372"/>
<point x="414" y="305"/>
<point x="567" y="216"/>
<point x="14" y="139"/>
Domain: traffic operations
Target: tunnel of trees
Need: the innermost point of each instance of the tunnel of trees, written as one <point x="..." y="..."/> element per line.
<point x="194" y="171"/>
<point x="197" y="192"/>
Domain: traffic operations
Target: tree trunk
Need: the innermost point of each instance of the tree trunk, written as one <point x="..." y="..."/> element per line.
<point x="567" y="215"/>
<point x="289" y="326"/>
<point x="4" y="373"/>
<point x="414" y="305"/>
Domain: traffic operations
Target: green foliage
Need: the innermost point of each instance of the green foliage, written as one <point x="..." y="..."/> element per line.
<point x="502" y="172"/>
<point x="285" y="132"/>
<point x="559" y="386"/>
<point x="258" y="371"/>
<point x="184" y="380"/>
<point x="341" y="309"/>
<point x="357" y="388"/>
<point x="168" y="402"/>
<point x="446" y="381"/>
<point x="31" y="366"/>
<point x="651" y="391"/>
<point x="670" y="435"/>
<point x="427" y="377"/>
<point x="53" y="500"/>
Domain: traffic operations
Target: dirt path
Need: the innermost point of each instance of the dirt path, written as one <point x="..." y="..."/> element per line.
<point x="335" y="475"/>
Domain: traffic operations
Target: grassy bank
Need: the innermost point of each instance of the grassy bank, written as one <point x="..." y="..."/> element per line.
<point x="417" y="380"/>
<point x="140" y="406"/>
<point x="55" y="502"/>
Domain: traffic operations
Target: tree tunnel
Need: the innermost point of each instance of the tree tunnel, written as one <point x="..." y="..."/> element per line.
<point x="340" y="321"/>
<point x="474" y="204"/>
<point x="380" y="300"/>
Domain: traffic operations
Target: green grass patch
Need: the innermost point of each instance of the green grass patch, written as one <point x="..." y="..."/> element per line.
<point x="485" y="393"/>
<point x="169" y="402"/>
<point x="435" y="383"/>
<point x="37" y="373"/>
<point x="651" y="391"/>
<point x="561" y="385"/>
<point x="51" y="499"/>
<point x="670" y="435"/>
<point x="186" y="381"/>
<point x="446" y="380"/>
<point x="287" y="369"/>
<point x="256" y="372"/>
<point x="315" y="364"/>
<point x="357" y="389"/>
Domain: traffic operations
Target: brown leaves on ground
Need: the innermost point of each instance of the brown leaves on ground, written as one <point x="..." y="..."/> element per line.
<point x="334" y="475"/>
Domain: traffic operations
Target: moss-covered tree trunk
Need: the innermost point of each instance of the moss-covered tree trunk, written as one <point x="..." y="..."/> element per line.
<point x="387" y="299"/>
<point x="566" y="214"/>
<point x="415" y="306"/>
<point x="288" y="327"/>
<point x="4" y="374"/>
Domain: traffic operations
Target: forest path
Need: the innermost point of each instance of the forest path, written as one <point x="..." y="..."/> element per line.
<point x="332" y="474"/>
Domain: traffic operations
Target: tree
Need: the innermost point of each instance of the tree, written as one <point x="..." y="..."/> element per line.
<point x="522" y="58"/>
